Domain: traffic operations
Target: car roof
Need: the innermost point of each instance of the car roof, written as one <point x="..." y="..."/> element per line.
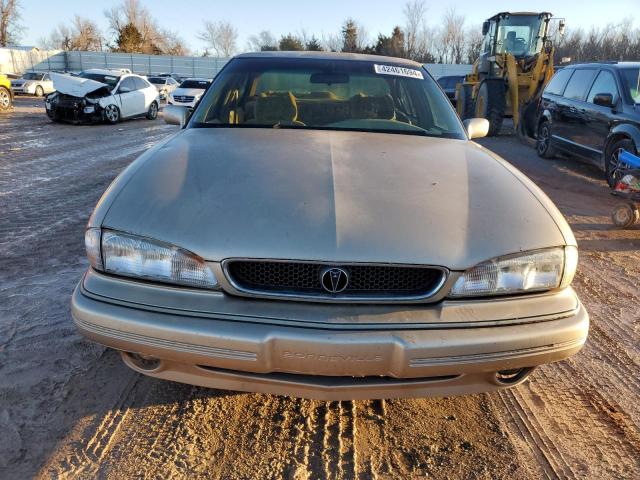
<point x="331" y="56"/>
<point x="605" y="64"/>
<point x="196" y="79"/>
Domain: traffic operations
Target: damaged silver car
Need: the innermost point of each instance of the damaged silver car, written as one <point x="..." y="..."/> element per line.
<point x="101" y="95"/>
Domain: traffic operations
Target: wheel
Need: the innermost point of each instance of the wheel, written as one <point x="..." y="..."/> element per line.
<point x="625" y="215"/>
<point x="490" y="104"/>
<point x="612" y="163"/>
<point x="544" y="146"/>
<point x="152" y="113"/>
<point x="39" y="91"/>
<point x="112" y="114"/>
<point x="5" y="99"/>
<point x="464" y="102"/>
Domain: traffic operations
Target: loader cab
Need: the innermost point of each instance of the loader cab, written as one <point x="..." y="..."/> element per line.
<point x="520" y="34"/>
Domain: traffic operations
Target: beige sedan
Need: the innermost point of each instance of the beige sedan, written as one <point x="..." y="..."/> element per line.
<point x="322" y="226"/>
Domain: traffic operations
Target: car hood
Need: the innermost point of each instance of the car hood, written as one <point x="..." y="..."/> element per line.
<point x="190" y="92"/>
<point x="75" y="86"/>
<point x="333" y="196"/>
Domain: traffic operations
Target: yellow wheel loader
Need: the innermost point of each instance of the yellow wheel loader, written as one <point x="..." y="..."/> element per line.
<point x="515" y="64"/>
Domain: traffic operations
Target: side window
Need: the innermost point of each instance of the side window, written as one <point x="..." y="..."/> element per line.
<point x="140" y="83"/>
<point x="579" y="84"/>
<point x="46" y="77"/>
<point x="558" y="82"/>
<point x="605" y="83"/>
<point x="128" y="83"/>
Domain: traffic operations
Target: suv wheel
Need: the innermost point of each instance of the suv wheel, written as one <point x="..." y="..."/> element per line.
<point x="612" y="162"/>
<point x="543" y="141"/>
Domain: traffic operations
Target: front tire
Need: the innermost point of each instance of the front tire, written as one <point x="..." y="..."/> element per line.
<point x="5" y="99"/>
<point x="112" y="114"/>
<point x="612" y="162"/>
<point x="491" y="104"/>
<point x="152" y="113"/>
<point x="39" y="91"/>
<point x="464" y="102"/>
<point x="544" y="146"/>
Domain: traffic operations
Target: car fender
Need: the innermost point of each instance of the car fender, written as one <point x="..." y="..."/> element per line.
<point x="626" y="130"/>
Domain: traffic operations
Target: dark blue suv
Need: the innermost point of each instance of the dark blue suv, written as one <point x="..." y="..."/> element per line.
<point x="592" y="111"/>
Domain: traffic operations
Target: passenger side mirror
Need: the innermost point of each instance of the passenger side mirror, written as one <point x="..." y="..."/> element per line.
<point x="561" y="27"/>
<point x="175" y="115"/>
<point x="604" y="100"/>
<point x="476" y="127"/>
<point x="485" y="28"/>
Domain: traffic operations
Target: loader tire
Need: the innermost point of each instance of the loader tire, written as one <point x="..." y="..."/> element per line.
<point x="491" y="104"/>
<point x="464" y="102"/>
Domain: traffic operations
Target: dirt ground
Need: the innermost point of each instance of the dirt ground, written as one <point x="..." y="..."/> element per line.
<point x="71" y="409"/>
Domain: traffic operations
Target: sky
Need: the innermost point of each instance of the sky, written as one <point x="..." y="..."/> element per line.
<point x="318" y="16"/>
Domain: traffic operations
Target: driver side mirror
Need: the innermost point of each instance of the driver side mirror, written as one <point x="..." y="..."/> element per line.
<point x="176" y="115"/>
<point x="476" y="127"/>
<point x="604" y="100"/>
<point x="485" y="28"/>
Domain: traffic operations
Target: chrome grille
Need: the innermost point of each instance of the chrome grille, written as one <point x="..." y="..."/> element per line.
<point x="183" y="98"/>
<point x="303" y="279"/>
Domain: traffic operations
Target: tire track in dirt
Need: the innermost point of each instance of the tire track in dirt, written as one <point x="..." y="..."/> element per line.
<point x="85" y="460"/>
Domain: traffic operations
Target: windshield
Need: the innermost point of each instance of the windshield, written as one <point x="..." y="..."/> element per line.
<point x="520" y="35"/>
<point x="110" y="80"/>
<point x="32" y="76"/>
<point x="631" y="78"/>
<point x="201" y="84"/>
<point x="157" y="80"/>
<point x="329" y="95"/>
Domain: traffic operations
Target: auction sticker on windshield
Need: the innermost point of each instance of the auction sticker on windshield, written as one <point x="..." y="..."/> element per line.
<point x="398" y="71"/>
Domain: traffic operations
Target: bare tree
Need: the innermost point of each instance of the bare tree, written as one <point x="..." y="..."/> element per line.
<point x="452" y="37"/>
<point x="414" y="17"/>
<point x="135" y="30"/>
<point x="263" y="41"/>
<point x="474" y="43"/>
<point x="221" y="37"/>
<point x="10" y="27"/>
<point x="82" y="34"/>
<point x="332" y="42"/>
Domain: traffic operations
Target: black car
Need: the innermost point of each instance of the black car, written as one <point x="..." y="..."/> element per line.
<point x="593" y="111"/>
<point x="449" y="83"/>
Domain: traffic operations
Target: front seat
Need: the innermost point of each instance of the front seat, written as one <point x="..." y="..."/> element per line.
<point x="276" y="108"/>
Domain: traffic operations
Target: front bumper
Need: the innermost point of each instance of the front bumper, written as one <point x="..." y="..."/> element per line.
<point x="323" y="363"/>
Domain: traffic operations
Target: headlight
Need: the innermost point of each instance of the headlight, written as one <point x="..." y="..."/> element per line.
<point x="133" y="256"/>
<point x="538" y="270"/>
<point x="89" y="109"/>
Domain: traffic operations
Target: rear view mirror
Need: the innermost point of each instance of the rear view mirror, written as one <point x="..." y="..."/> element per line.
<point x="485" y="28"/>
<point x="604" y="100"/>
<point x="175" y="115"/>
<point x="476" y="127"/>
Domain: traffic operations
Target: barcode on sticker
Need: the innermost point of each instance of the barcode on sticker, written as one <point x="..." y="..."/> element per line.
<point x="398" y="71"/>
